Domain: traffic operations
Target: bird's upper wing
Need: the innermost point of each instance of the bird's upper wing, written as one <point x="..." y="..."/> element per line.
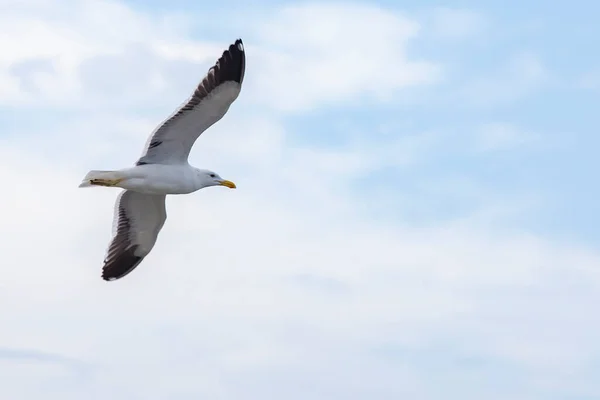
<point x="171" y="141"/>
<point x="138" y="220"/>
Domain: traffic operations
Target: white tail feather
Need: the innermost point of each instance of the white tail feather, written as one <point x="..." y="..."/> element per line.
<point x="94" y="174"/>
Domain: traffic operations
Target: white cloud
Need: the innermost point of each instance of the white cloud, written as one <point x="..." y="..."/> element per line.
<point x="284" y="288"/>
<point x="60" y="36"/>
<point x="343" y="43"/>
<point x="335" y="54"/>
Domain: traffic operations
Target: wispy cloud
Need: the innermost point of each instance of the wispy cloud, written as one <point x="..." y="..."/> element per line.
<point x="590" y="80"/>
<point x="513" y="81"/>
<point x="502" y="136"/>
<point x="368" y="59"/>
<point x="452" y="23"/>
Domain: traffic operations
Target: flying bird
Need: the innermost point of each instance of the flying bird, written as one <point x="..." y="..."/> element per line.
<point x="163" y="168"/>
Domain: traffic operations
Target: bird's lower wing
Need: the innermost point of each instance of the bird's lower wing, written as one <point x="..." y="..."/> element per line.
<point x="138" y="220"/>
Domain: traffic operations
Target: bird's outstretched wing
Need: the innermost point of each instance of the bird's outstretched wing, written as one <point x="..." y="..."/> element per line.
<point x="172" y="140"/>
<point x="138" y="220"/>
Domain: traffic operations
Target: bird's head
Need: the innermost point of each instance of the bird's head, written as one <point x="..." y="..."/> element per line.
<point x="210" y="178"/>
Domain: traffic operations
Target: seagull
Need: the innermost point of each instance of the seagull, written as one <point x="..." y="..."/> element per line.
<point x="163" y="168"/>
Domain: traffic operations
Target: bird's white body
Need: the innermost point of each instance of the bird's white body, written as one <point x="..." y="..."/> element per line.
<point x="163" y="179"/>
<point x="154" y="178"/>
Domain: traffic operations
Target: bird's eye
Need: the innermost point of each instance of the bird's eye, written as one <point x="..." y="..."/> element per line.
<point x="212" y="175"/>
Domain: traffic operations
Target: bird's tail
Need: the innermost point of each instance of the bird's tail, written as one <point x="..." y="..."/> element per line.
<point x="101" y="178"/>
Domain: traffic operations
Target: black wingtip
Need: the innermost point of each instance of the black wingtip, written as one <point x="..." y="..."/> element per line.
<point x="121" y="265"/>
<point x="231" y="66"/>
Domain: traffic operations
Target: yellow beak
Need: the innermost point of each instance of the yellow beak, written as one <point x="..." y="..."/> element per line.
<point x="228" y="184"/>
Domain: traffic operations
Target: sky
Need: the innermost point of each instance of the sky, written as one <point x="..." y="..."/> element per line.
<point x="415" y="214"/>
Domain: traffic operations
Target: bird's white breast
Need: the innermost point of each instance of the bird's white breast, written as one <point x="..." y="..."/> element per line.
<point x="161" y="179"/>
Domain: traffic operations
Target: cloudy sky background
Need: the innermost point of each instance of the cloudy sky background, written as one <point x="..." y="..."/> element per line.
<point x="416" y="213"/>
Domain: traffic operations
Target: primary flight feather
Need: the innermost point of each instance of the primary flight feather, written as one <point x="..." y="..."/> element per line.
<point x="163" y="168"/>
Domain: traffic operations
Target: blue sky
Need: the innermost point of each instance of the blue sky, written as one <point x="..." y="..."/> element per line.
<point x="415" y="214"/>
